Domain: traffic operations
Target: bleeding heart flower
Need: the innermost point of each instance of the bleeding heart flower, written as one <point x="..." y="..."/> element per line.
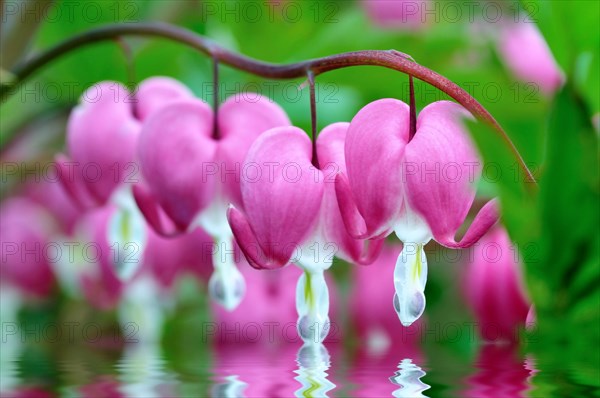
<point x="525" y="52"/>
<point x="102" y="136"/>
<point x="398" y="14"/>
<point x="494" y="287"/>
<point x="25" y="238"/>
<point x="92" y="272"/>
<point x="193" y="166"/>
<point x="420" y="188"/>
<point x="290" y="214"/>
<point x="54" y="199"/>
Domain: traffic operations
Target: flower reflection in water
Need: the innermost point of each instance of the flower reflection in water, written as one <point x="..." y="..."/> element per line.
<point x="143" y="372"/>
<point x="313" y="363"/>
<point x="408" y="377"/>
<point x="501" y="373"/>
<point x="254" y="370"/>
<point x="230" y="387"/>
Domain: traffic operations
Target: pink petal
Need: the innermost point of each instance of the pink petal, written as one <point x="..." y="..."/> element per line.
<point x="153" y="213"/>
<point x="175" y="148"/>
<point x="440" y="168"/>
<point x="69" y="175"/>
<point x="242" y="118"/>
<point x="248" y="243"/>
<point x="353" y="220"/>
<point x="374" y="150"/>
<point x="282" y="195"/>
<point x="486" y="218"/>
<point x="330" y="149"/>
<point x="105" y="115"/>
<point x="154" y="93"/>
<point x="169" y="259"/>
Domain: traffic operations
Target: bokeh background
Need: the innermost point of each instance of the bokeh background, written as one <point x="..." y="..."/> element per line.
<point x="554" y="226"/>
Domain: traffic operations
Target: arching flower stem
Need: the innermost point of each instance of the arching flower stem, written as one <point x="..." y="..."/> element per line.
<point x="388" y="59"/>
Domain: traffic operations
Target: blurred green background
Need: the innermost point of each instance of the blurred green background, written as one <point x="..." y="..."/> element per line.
<point x="554" y="134"/>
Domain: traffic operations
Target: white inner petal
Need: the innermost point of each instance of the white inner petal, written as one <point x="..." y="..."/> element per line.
<point x="316" y="253"/>
<point x="312" y="304"/>
<point x="213" y="219"/>
<point x="410" y="277"/>
<point x="126" y="234"/>
<point x="411" y="227"/>
<point x="226" y="285"/>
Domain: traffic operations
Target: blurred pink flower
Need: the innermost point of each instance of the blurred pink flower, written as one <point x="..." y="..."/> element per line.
<point x="53" y="197"/>
<point x="397" y="14"/>
<point x="527" y="55"/>
<point x="494" y="287"/>
<point x="167" y="259"/>
<point x="96" y="273"/>
<point x="102" y="135"/>
<point x="25" y="237"/>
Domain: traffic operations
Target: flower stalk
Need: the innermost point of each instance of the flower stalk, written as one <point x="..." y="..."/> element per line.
<point x="389" y="59"/>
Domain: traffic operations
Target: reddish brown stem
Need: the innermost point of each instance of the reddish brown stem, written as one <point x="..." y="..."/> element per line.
<point x="388" y="59"/>
<point x="413" y="109"/>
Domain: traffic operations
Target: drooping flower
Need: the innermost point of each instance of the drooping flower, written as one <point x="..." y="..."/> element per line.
<point x="398" y="14"/>
<point x="290" y="215"/>
<point x="102" y="137"/>
<point x="525" y="52"/>
<point x="92" y="271"/>
<point x="53" y="197"/>
<point x="167" y="259"/>
<point x="192" y="166"/>
<point x="419" y="187"/>
<point x="494" y="287"/>
<point x="25" y="237"/>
